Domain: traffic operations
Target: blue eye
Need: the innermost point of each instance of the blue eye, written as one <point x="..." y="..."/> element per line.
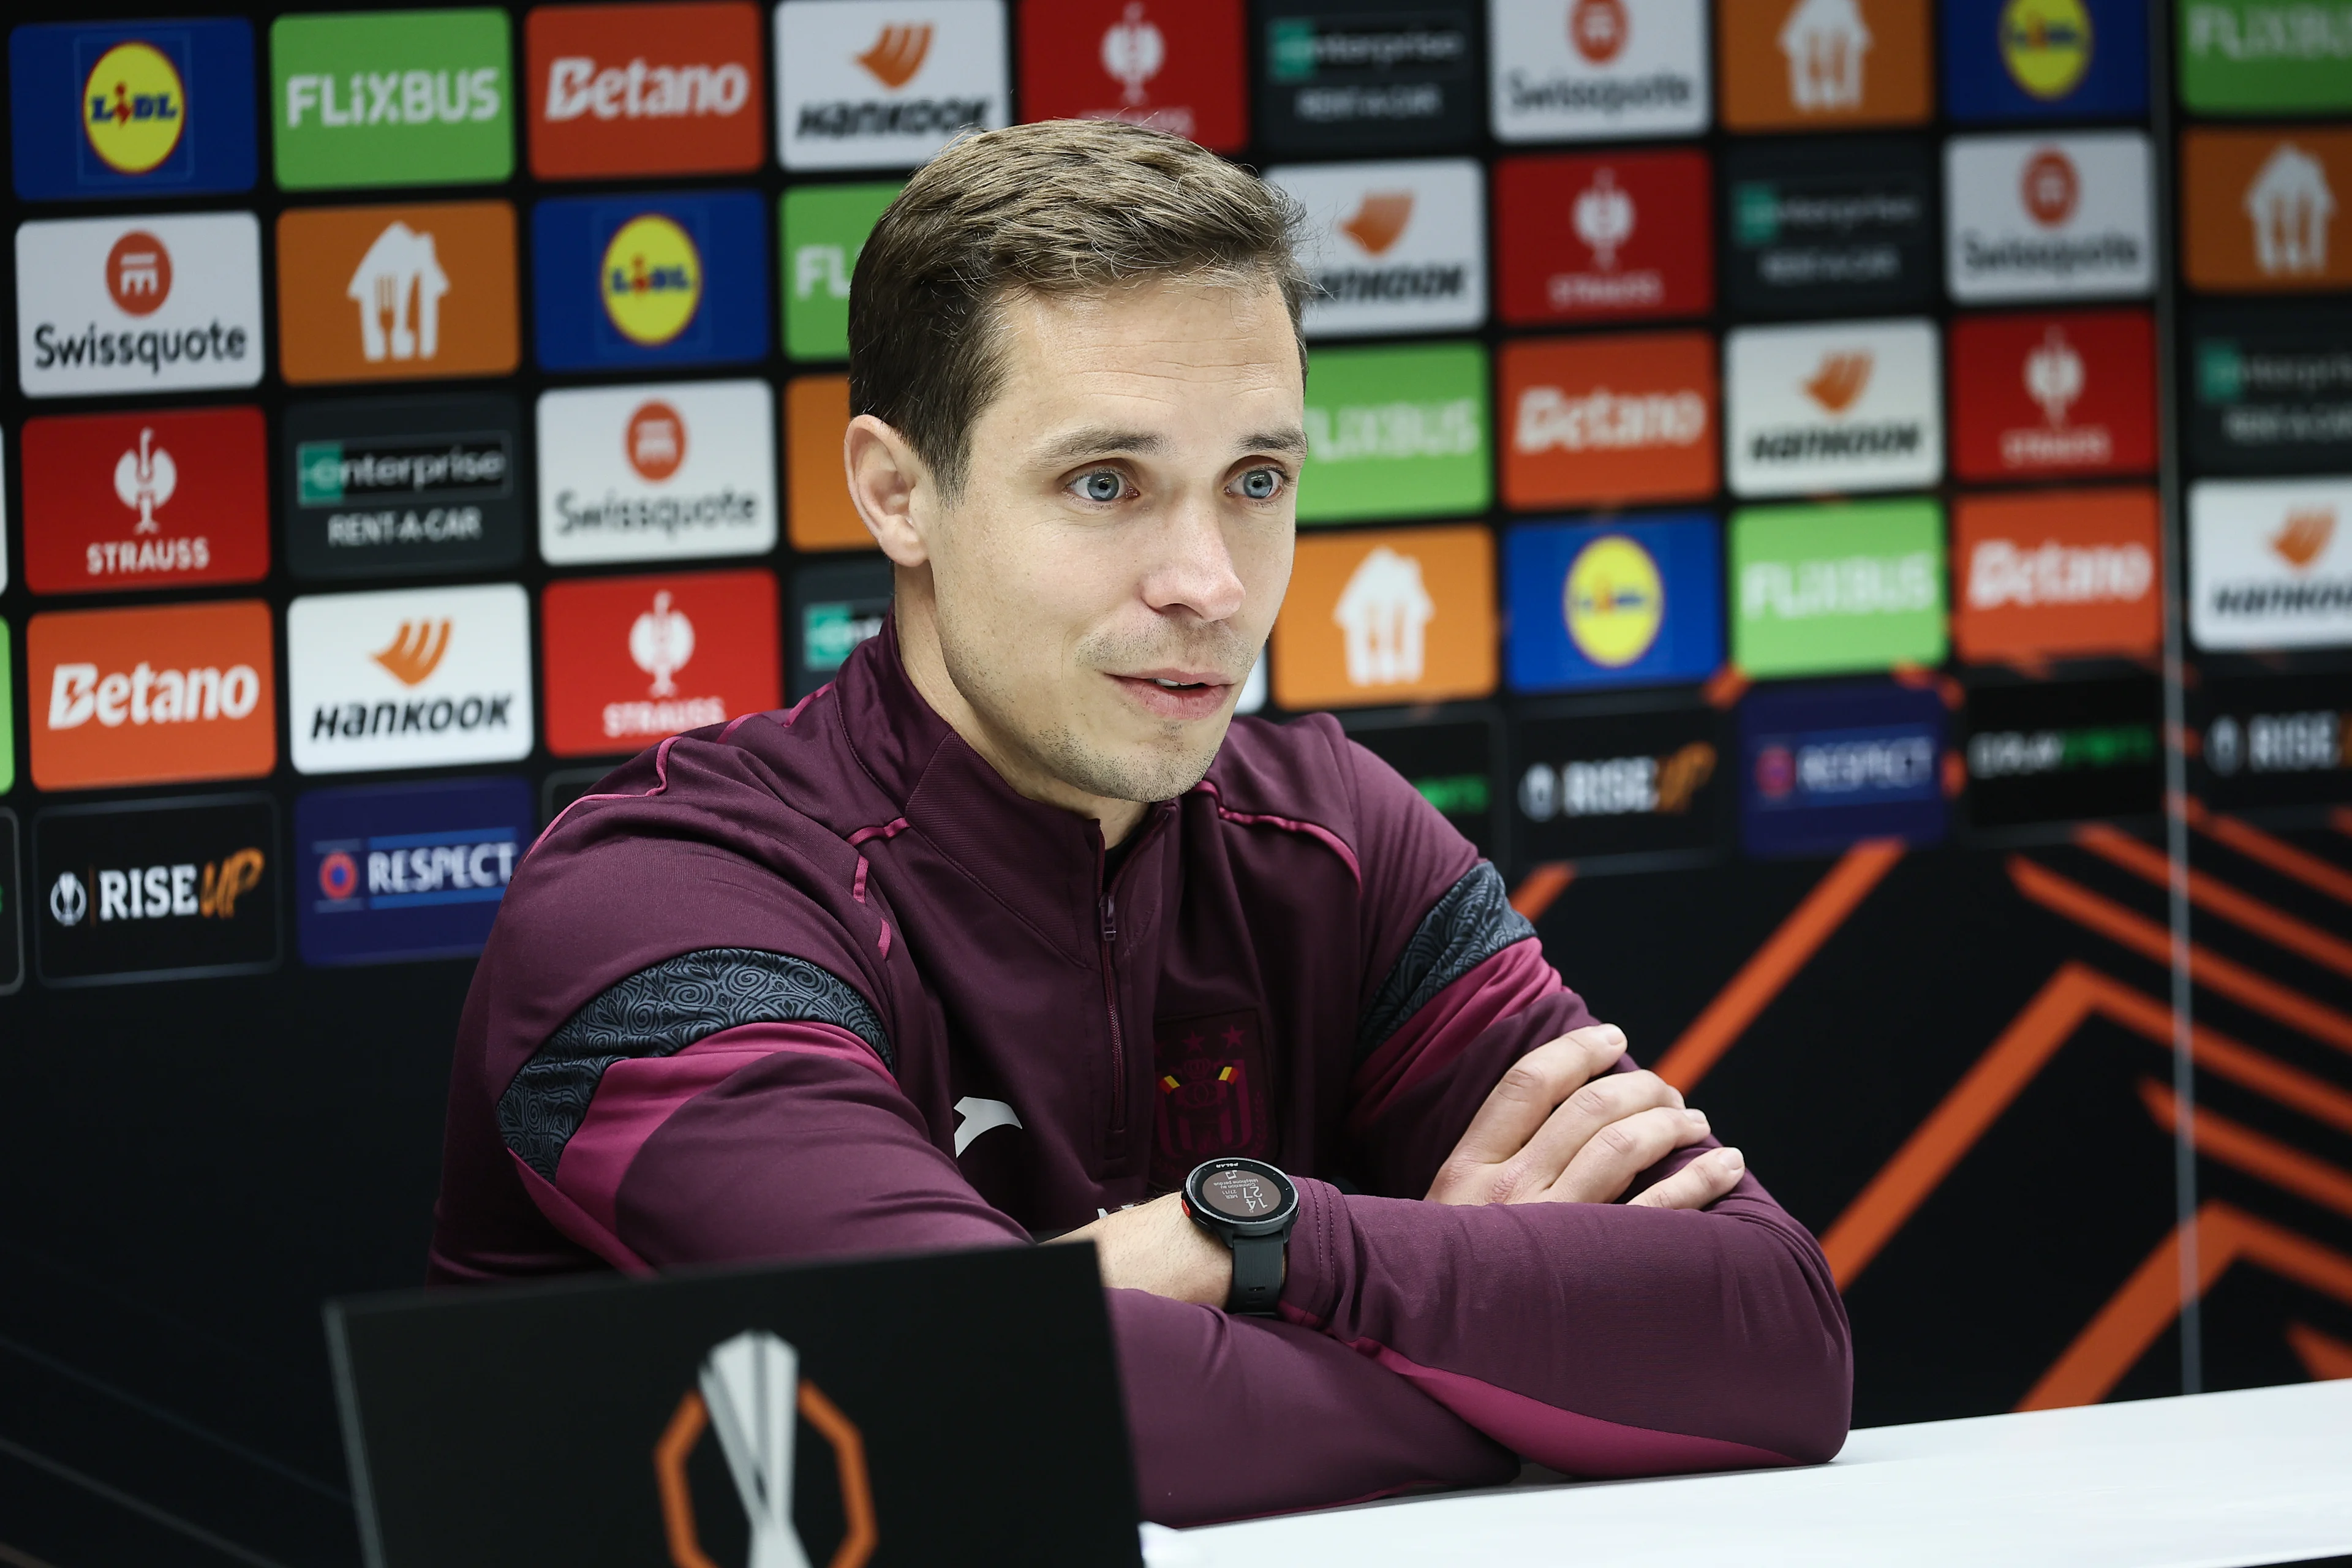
<point x="1261" y="484"/>
<point x="1102" y="485"/>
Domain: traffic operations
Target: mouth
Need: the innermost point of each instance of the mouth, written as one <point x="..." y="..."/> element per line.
<point x="1178" y="694"/>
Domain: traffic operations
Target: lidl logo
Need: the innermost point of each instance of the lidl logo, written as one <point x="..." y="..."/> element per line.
<point x="1395" y="432"/>
<point x="1823" y="768"/>
<point x="654" y="473"/>
<point x="1176" y="66"/>
<point x="2264" y="57"/>
<point x="2053" y="393"/>
<point x="396" y="293"/>
<point x="632" y="89"/>
<point x="2046" y="44"/>
<point x="151" y="695"/>
<point x="651" y="282"/>
<point x="1819" y="590"/>
<point x="139" y="304"/>
<point x="1584" y="70"/>
<point x="399" y="97"/>
<point x="152" y="500"/>
<point x="2272" y="390"/>
<point x="884" y="84"/>
<point x="1596" y="237"/>
<point x="1840" y="405"/>
<point x="1632" y="603"/>
<point x="632" y="659"/>
<point x="404" y="486"/>
<point x="2056" y="574"/>
<point x="2045" y="59"/>
<point x="2270" y="564"/>
<point x="1605" y="420"/>
<point x="1386" y="617"/>
<point x="679" y="280"/>
<point x="413" y="677"/>
<point x="2266" y="210"/>
<point x="1393" y="246"/>
<point x="824" y="228"/>
<point x="405" y="872"/>
<point x="2048" y="216"/>
<point x="1789" y="64"/>
<point x="113" y="110"/>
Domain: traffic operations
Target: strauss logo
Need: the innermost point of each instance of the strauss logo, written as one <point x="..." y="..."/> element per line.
<point x="661" y="640"/>
<point x="414" y="651"/>
<point x="1379" y="220"/>
<point x="2054" y="375"/>
<point x="897" y="53"/>
<point x="2305" y="536"/>
<point x="1840" y="380"/>
<point x="1133" y="50"/>
<point x="1603" y="216"/>
<point x="145" y="479"/>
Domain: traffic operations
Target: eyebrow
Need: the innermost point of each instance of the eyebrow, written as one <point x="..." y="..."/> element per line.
<point x="1104" y="441"/>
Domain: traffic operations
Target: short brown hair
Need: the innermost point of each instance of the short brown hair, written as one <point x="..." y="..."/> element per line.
<point x="1061" y="207"/>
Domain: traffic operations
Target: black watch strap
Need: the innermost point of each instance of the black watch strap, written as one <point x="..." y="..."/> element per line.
<point x="1258" y="1274"/>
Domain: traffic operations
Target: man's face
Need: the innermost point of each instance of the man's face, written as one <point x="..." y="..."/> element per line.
<point x="1113" y="563"/>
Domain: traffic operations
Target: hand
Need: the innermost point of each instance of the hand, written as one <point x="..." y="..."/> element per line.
<point x="1156" y="1247"/>
<point x="1561" y="1128"/>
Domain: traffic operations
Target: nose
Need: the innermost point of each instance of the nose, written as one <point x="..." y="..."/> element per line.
<point x="1195" y="568"/>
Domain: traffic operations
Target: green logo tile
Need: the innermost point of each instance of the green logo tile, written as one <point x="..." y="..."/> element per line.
<point x="1395" y="432"/>
<point x="404" y="98"/>
<point x="2265" y="57"/>
<point x="1824" y="590"/>
<point x="825" y="227"/>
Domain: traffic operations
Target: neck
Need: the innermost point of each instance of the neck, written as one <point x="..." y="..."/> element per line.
<point x="915" y="613"/>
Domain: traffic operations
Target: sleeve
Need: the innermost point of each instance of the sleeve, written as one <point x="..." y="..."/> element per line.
<point x="789" y="1138"/>
<point x="1599" y="1339"/>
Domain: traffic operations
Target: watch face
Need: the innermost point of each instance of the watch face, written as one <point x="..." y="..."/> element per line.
<point x="1241" y="1194"/>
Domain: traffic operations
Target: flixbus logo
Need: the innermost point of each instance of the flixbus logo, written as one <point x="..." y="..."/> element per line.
<point x="1395" y="432"/>
<point x="880" y="84"/>
<point x="825" y="227"/>
<point x="407" y="97"/>
<point x="120" y="109"/>
<point x="2265" y="57"/>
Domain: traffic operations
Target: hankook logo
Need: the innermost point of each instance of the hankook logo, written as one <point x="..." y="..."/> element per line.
<point x="932" y="68"/>
<point x="1393" y="246"/>
<point x="1830" y="408"/>
<point x="416" y="678"/>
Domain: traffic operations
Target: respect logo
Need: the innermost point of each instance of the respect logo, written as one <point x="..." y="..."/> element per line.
<point x="395" y="293"/>
<point x="1393" y="246"/>
<point x="1825" y="590"/>
<point x="145" y="304"/>
<point x="1823" y="768"/>
<point x="407" y="97"/>
<point x="644" y="90"/>
<point x="406" y="871"/>
<point x="1607" y="420"/>
<point x="151" y="695"/>
<point x="1395" y="432"/>
<point x="145" y="501"/>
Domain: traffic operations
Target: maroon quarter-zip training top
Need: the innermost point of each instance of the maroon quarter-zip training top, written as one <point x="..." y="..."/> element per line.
<point x="818" y="983"/>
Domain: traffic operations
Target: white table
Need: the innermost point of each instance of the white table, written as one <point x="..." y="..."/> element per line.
<point x="2217" y="1480"/>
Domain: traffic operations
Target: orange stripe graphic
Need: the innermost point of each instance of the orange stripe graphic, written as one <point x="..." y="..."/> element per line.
<point x="2323" y="1357"/>
<point x="2275" y="853"/>
<point x="1774" y="964"/>
<point x="2114" y="1341"/>
<point x="2279" y="1003"/>
<point x="2208" y="892"/>
<point x="2244" y="1149"/>
<point x="1546" y="882"/>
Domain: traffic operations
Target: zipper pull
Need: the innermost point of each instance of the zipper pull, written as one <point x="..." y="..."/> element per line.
<point x="1109" y="920"/>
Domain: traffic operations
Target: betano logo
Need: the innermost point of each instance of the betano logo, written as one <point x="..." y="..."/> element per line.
<point x="651" y="280"/>
<point x="151" y="695"/>
<point x="415" y="652"/>
<point x="897" y="53"/>
<point x="578" y="85"/>
<point x="1614" y="601"/>
<point x="134" y="108"/>
<point x="2046" y="45"/>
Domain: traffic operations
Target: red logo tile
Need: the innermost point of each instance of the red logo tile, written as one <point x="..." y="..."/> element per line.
<point x="152" y="499"/>
<point x="630" y="660"/>
<point x="1173" y="63"/>
<point x="1608" y="237"/>
<point x="2054" y="393"/>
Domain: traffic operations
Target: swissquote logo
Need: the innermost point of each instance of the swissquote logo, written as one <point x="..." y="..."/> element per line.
<point x="644" y="90"/>
<point x="1393" y="246"/>
<point x="870" y="84"/>
<point x="2270" y="564"/>
<point x="656" y="473"/>
<point x="751" y="1391"/>
<point x="631" y="659"/>
<point x="149" y="499"/>
<point x="2049" y="215"/>
<point x="141" y="304"/>
<point x="415" y="678"/>
<point x="151" y="696"/>
<point x="1582" y="69"/>
<point x="1847" y="405"/>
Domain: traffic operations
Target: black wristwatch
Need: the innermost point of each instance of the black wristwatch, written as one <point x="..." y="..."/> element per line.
<point x="1250" y="1206"/>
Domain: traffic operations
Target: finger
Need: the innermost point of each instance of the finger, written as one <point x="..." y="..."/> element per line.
<point x="1621" y="1150"/>
<point x="1532" y="1090"/>
<point x="1699" y="1184"/>
<point x="1608" y="1099"/>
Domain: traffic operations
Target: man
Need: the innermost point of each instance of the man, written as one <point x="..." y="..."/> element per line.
<point x="1012" y="929"/>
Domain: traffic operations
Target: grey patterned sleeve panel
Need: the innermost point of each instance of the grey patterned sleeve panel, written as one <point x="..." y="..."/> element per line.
<point x="1469" y="925"/>
<point x="658" y="1012"/>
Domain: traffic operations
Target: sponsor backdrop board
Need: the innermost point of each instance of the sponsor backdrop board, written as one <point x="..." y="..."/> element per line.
<point x="350" y="383"/>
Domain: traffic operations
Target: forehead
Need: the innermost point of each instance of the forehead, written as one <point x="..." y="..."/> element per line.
<point x="1174" y="344"/>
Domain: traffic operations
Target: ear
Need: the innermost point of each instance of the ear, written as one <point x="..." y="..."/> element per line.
<point x="884" y="476"/>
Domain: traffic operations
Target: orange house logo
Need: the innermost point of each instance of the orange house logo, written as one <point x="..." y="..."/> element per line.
<point x="396" y="292"/>
<point x="1789" y="64"/>
<point x="750" y="1392"/>
<point x="897" y="53"/>
<point x="1388" y="617"/>
<point x="2267" y="211"/>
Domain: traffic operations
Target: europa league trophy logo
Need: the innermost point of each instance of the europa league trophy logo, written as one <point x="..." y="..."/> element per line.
<point x="751" y="1393"/>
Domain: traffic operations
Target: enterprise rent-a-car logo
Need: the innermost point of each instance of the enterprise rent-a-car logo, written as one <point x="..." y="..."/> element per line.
<point x="404" y="486"/>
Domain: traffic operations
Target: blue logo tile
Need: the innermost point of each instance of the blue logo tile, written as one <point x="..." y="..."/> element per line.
<point x="406" y="871"/>
<point x="131" y="108"/>
<point x="624" y="282"/>
<point x="1822" y="767"/>
<point x="2044" y="60"/>
<point x="1629" y="603"/>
